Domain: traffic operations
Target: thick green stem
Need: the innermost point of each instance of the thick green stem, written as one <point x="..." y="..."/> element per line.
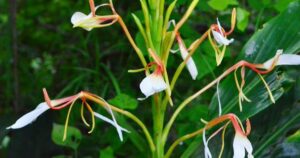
<point x="158" y="117"/>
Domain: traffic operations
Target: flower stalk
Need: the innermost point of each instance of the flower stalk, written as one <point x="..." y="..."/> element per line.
<point x="156" y="84"/>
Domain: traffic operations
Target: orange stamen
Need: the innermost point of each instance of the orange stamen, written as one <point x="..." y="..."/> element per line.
<point x="92" y="7"/>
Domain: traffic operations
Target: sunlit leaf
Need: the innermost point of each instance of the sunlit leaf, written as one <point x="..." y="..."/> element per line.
<point x="124" y="101"/>
<point x="242" y="19"/>
<point x="106" y="153"/>
<point x="73" y="136"/>
<point x="221" y="4"/>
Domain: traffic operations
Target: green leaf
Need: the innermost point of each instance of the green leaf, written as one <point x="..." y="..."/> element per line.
<point x="106" y="153"/>
<point x="139" y="39"/>
<point x="221" y="4"/>
<point x="73" y="136"/>
<point x="124" y="101"/>
<point x="242" y="19"/>
<point x="282" y="4"/>
<point x="278" y="33"/>
<point x="294" y="138"/>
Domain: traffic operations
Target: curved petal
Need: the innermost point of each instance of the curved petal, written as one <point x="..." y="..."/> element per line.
<point x="191" y="66"/>
<point x="105" y="119"/>
<point x="30" y="117"/>
<point x="220" y="27"/>
<point x="238" y="148"/>
<point x="221" y="40"/>
<point x="78" y="17"/>
<point x="283" y="59"/>
<point x="240" y="144"/>
<point x="151" y="84"/>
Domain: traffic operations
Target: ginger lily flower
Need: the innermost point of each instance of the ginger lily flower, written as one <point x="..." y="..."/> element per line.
<point x="68" y="101"/>
<point x="154" y="82"/>
<point x="220" y="37"/>
<point x="191" y="66"/>
<point x="240" y="143"/>
<point x="90" y="21"/>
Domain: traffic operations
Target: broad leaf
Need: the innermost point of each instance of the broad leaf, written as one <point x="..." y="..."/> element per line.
<point x="124" y="101"/>
<point x="279" y="33"/>
<point x="73" y="136"/>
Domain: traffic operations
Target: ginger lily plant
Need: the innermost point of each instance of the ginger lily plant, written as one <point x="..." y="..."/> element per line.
<point x="158" y="83"/>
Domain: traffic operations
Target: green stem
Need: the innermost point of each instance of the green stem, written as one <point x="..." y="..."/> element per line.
<point x="135" y="47"/>
<point x="158" y="117"/>
<point x="181" y="139"/>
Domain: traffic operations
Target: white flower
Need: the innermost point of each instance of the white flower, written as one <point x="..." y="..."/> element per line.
<point x="240" y="144"/>
<point x="112" y="122"/>
<point x="190" y="63"/>
<point x="220" y="37"/>
<point x="30" y="117"/>
<point x="282" y="59"/>
<point x="88" y="22"/>
<point x="151" y="84"/>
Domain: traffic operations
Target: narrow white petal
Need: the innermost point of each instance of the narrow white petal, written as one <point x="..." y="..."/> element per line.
<point x="207" y="152"/>
<point x="30" y="117"/>
<point x="221" y="40"/>
<point x="283" y="59"/>
<point x="289" y="59"/>
<point x="238" y="147"/>
<point x="77" y="17"/>
<point x="105" y="119"/>
<point x="191" y="66"/>
<point x="119" y="130"/>
<point x="152" y="84"/>
<point x="220" y="27"/>
<point x="248" y="146"/>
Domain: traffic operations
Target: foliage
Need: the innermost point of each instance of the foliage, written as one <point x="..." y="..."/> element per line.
<point x="54" y="55"/>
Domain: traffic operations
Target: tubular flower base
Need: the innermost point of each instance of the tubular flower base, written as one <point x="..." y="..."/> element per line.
<point x="69" y="101"/>
<point x="240" y="142"/>
<point x="90" y="21"/>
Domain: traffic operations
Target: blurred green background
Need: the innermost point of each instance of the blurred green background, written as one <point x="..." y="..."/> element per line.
<point x="39" y="48"/>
